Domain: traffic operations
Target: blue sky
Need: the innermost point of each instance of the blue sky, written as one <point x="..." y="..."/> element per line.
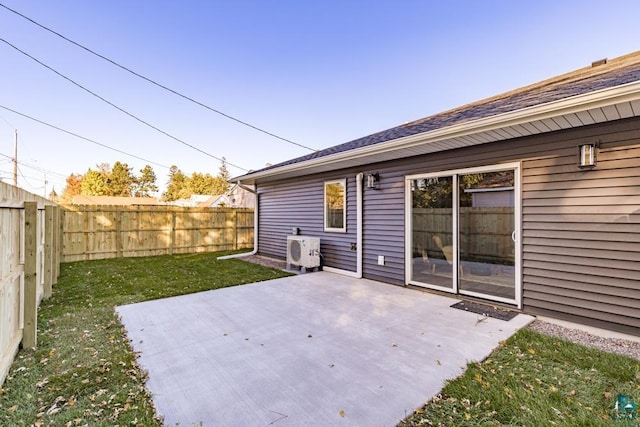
<point x="319" y="73"/>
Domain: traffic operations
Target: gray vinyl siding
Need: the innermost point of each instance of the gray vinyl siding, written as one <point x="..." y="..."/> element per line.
<point x="383" y="213"/>
<point x="581" y="235"/>
<point x="285" y="205"/>
<point x="580" y="228"/>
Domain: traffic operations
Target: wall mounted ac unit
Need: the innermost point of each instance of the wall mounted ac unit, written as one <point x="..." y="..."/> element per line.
<point x="303" y="251"/>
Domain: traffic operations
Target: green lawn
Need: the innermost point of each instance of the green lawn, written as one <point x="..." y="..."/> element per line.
<point x="84" y="371"/>
<point x="535" y="380"/>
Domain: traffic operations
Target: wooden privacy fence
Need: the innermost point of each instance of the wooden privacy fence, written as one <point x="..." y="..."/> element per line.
<point x="29" y="267"/>
<point x="97" y="232"/>
<point x="485" y="232"/>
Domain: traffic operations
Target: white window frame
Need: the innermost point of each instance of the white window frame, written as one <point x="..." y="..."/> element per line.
<point x="343" y="229"/>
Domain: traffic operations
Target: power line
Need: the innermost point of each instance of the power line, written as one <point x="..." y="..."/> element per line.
<point x="156" y="83"/>
<point x="119" y="108"/>
<point x="39" y="169"/>
<point x="7" y="121"/>
<point x="82" y="137"/>
<point x="26" y="180"/>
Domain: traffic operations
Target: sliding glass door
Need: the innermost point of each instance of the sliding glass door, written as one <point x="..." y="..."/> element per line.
<point x="432" y="232"/>
<point x="463" y="230"/>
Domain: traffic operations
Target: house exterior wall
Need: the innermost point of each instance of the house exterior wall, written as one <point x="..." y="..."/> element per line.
<point x="581" y="235"/>
<point x="580" y="228"/>
<point x="289" y="204"/>
<point x="241" y="198"/>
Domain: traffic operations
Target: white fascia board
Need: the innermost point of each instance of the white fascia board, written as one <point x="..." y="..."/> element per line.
<point x="597" y="99"/>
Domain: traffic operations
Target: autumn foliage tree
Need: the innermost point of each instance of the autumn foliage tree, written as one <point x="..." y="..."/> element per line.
<point x="181" y="186"/>
<point x="94" y="183"/>
<point x="107" y="181"/>
<point x="120" y="181"/>
<point x="73" y="188"/>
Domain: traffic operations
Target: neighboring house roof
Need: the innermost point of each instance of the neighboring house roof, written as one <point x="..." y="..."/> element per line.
<point x="607" y="90"/>
<point x="214" y="201"/>
<point x="194" y="200"/>
<point x="199" y="198"/>
<point x="116" y="201"/>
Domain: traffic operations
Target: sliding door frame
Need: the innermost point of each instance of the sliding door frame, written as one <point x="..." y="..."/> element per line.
<point x="517" y="202"/>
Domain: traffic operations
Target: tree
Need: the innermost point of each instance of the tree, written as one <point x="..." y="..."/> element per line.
<point x="223" y="177"/>
<point x="224" y="172"/>
<point x="175" y="186"/>
<point x="146" y="183"/>
<point x="53" y="195"/>
<point x="73" y="188"/>
<point x="199" y="183"/>
<point x="120" y="181"/>
<point x="94" y="183"/>
<point x="181" y="186"/>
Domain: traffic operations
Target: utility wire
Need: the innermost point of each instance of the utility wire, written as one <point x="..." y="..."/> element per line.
<point x="39" y="169"/>
<point x="82" y="137"/>
<point x="156" y="83"/>
<point x="26" y="180"/>
<point x="119" y="108"/>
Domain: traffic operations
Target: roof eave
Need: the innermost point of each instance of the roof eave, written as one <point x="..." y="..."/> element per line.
<point x="474" y="132"/>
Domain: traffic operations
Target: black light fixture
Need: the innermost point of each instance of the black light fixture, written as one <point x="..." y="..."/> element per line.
<point x="587" y="155"/>
<point x="373" y="180"/>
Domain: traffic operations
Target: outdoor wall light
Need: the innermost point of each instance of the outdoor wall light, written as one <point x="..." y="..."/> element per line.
<point x="587" y="155"/>
<point x="373" y="180"/>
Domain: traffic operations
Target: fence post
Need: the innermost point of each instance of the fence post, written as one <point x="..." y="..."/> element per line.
<point x="61" y="220"/>
<point x="234" y="214"/>
<point x="48" y="250"/>
<point x="57" y="251"/>
<point x="173" y="232"/>
<point x="29" y="337"/>
<point x="118" y="232"/>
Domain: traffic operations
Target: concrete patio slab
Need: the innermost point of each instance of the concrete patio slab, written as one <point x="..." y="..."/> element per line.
<point x="317" y="349"/>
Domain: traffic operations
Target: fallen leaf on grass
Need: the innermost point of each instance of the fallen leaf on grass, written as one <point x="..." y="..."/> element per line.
<point x="13" y="408"/>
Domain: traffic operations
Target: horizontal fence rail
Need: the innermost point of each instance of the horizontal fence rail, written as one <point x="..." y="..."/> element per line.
<point x="98" y="232"/>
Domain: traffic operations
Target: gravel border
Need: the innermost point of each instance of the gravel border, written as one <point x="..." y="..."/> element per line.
<point x="611" y="345"/>
<point x="266" y="261"/>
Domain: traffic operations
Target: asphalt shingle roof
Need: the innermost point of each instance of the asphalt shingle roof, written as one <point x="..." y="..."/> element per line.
<point x="616" y="72"/>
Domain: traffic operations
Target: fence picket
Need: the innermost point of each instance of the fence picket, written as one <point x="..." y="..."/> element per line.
<point x="98" y="232"/>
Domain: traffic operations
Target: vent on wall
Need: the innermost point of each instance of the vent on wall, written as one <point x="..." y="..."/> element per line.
<point x="303" y="251"/>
